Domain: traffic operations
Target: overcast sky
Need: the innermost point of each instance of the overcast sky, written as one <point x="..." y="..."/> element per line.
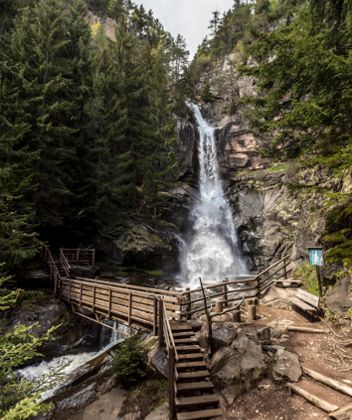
<point x="190" y="18"/>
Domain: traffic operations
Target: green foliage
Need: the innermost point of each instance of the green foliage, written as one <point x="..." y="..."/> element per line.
<point x="308" y="275"/>
<point x="338" y="237"/>
<point x="128" y="361"/>
<point x="87" y="125"/>
<point x="206" y="94"/>
<point x="19" y="399"/>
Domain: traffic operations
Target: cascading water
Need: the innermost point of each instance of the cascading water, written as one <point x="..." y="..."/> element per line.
<point x="212" y="251"/>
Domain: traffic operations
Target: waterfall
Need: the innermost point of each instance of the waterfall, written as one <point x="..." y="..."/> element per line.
<point x="211" y="251"/>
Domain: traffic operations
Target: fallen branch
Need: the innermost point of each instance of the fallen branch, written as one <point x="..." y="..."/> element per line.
<point x="318" y="402"/>
<point x="294" y="328"/>
<point x="333" y="383"/>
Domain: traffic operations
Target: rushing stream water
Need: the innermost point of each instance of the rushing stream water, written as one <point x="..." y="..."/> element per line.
<point x="60" y="368"/>
<point x="212" y="251"/>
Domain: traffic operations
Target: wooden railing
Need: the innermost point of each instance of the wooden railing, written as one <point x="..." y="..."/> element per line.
<point x="166" y="337"/>
<point x="138" y="306"/>
<point x="80" y="256"/>
<point x="64" y="263"/>
<point x="54" y="274"/>
<point x="131" y="305"/>
<point x="231" y="292"/>
<point x="267" y="277"/>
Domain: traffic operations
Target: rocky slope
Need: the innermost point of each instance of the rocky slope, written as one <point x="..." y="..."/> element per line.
<point x="278" y="208"/>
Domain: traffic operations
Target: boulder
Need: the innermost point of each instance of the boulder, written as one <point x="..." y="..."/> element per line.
<point x="157" y="359"/>
<point x="224" y="334"/>
<point x="78" y="400"/>
<point x="287" y="366"/>
<point x="338" y="299"/>
<point x="239" y="365"/>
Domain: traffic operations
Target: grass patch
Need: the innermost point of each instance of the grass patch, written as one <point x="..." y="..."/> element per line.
<point x="277" y="168"/>
<point x="308" y="275"/>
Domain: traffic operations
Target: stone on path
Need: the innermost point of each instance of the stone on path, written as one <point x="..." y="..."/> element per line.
<point x="287" y="366"/>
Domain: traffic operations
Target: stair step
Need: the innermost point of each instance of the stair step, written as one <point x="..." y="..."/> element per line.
<point x="193" y="375"/>
<point x="181" y="328"/>
<point x="195" y="386"/>
<point x="185" y="340"/>
<point x="183" y="334"/>
<point x="191" y="356"/>
<point x="190" y="365"/>
<point x="202" y="414"/>
<point x="186" y="402"/>
<point x="190" y="348"/>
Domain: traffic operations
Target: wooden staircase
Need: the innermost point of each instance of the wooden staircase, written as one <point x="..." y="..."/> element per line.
<point x="195" y="397"/>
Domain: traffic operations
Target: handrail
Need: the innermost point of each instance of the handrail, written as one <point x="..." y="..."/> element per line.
<point x="272" y="266"/>
<point x="244" y="279"/>
<point x="168" y="332"/>
<point x="64" y="263"/>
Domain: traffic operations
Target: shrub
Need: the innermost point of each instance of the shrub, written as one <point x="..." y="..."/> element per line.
<point x="129" y="361"/>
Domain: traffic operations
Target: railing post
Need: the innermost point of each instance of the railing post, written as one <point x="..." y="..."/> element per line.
<point x="93" y="258"/>
<point x="155" y="316"/>
<point x="77" y="255"/>
<point x="285" y="269"/>
<point x="161" y="322"/>
<point x="129" y="308"/>
<point x="171" y="382"/>
<point x="225" y="292"/>
<point x="110" y="302"/>
<point x="187" y="296"/>
<point x="258" y="285"/>
<point x="55" y="284"/>
<point x="80" y="295"/>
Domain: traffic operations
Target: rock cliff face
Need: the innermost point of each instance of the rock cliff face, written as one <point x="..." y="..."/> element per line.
<point x="274" y="215"/>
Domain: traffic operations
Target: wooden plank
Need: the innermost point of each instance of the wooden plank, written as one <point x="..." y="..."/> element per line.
<point x="195" y="386"/>
<point x="191" y="356"/>
<point x="188" y="348"/>
<point x="308" y="297"/>
<point x="169" y="293"/>
<point x="333" y="383"/>
<point x="301" y="304"/>
<point x="146" y="298"/>
<point x="186" y="341"/>
<point x="186" y="402"/>
<point x="190" y="365"/>
<point x="343" y="413"/>
<point x="171" y="381"/>
<point x="317" y="401"/>
<point x="117" y="300"/>
<point x="201" y="414"/>
<point x="295" y="328"/>
<point x="183" y="334"/>
<point x="193" y="375"/>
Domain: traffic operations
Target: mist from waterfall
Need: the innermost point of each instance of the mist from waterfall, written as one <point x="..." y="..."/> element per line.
<point x="211" y="251"/>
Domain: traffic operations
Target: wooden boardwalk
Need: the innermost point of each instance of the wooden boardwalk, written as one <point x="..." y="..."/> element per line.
<point x="165" y="313"/>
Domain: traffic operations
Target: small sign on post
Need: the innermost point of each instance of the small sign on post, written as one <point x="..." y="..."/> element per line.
<point x="316" y="258"/>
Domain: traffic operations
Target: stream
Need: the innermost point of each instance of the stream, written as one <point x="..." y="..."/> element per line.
<point x="56" y="373"/>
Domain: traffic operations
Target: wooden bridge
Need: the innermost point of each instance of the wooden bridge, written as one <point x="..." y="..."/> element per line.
<point x="165" y="313"/>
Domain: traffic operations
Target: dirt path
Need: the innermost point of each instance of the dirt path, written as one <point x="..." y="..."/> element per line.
<point x="272" y="401"/>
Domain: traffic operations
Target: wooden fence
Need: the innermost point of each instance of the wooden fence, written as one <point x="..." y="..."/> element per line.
<point x="138" y="306"/>
<point x="166" y="337"/>
<point x="231" y="292"/>
<point x="79" y="256"/>
<point x="132" y="305"/>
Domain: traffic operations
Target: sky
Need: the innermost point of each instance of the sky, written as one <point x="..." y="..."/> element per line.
<point x="190" y="18"/>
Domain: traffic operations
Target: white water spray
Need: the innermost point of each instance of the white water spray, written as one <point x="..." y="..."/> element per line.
<point x="212" y="252"/>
